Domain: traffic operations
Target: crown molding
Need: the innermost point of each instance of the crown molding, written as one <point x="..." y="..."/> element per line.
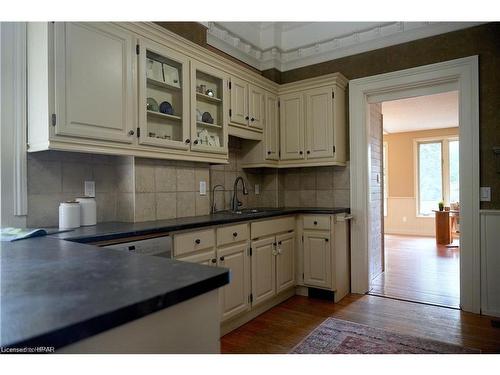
<point x="385" y="35"/>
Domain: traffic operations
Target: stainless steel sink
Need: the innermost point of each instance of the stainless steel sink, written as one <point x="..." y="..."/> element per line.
<point x="247" y="211"/>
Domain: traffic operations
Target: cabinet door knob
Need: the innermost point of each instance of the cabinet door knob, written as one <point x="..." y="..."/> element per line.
<point x="221" y="259"/>
<point x="246" y="117"/>
<point x="279" y="242"/>
<point x="131" y="132"/>
<point x="301" y="152"/>
<point x="188" y="140"/>
<point x="235" y="234"/>
<point x="315" y="223"/>
<point x="195" y="141"/>
<point x="252" y="119"/>
<point x="269" y="152"/>
<point x="308" y="152"/>
<point x="326" y="240"/>
<point x="197" y="241"/>
<point x="214" y="260"/>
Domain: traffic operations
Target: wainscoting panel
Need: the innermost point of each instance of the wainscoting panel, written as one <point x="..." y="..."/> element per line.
<point x="490" y="262"/>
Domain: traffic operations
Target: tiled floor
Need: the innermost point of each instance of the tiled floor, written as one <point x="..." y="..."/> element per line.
<point x="416" y="269"/>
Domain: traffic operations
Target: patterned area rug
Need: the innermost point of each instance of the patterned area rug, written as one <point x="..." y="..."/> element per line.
<point x="336" y="336"/>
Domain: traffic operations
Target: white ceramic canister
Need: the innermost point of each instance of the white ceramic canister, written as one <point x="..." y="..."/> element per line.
<point x="69" y="215"/>
<point x="88" y="211"/>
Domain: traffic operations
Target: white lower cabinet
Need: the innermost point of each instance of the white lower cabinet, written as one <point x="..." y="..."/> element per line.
<point x="285" y="261"/>
<point x="206" y="258"/>
<point x="263" y="269"/>
<point x="317" y="259"/>
<point x="234" y="297"/>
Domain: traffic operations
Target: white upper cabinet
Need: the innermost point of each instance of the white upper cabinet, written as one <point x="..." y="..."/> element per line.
<point x="256" y="107"/>
<point x="271" y="139"/>
<point x="163" y="96"/>
<point x="94" y="82"/>
<point x="292" y="126"/>
<point x="319" y="123"/>
<point x="239" y="102"/>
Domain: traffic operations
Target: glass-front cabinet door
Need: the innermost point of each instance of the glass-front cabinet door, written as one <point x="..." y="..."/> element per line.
<point x="163" y="96"/>
<point x="209" y="115"/>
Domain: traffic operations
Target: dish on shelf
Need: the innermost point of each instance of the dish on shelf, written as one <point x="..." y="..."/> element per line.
<point x="154" y="70"/>
<point x="210" y="93"/>
<point x="166" y="108"/>
<point x="171" y="75"/>
<point x="152" y="104"/>
<point x="207" y="117"/>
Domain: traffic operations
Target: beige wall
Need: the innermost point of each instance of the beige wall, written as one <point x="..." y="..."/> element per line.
<point x="400" y="159"/>
<point x="402" y="202"/>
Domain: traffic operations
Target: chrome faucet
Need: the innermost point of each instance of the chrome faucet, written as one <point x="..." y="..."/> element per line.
<point x="235" y="203"/>
<point x="214" y="206"/>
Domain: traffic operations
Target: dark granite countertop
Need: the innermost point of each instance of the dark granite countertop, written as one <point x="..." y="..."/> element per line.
<point x="55" y="292"/>
<point x="116" y="230"/>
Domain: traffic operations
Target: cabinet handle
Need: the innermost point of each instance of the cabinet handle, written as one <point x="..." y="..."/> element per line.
<point x="279" y="242"/>
<point x="315" y="223"/>
<point x="269" y="152"/>
<point x="221" y="259"/>
<point x="131" y="132"/>
<point x="197" y="241"/>
<point x="235" y="234"/>
<point x="214" y="260"/>
<point x="246" y="117"/>
<point x="188" y="140"/>
<point x="252" y="119"/>
<point x="308" y="152"/>
<point x="274" y="244"/>
<point x="301" y="152"/>
<point x="195" y="142"/>
<point x="326" y="239"/>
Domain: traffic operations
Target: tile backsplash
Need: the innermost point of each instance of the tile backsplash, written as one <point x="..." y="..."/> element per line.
<point x="139" y="189"/>
<point x="54" y="177"/>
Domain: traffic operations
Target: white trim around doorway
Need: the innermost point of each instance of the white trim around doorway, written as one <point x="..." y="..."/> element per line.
<point x="462" y="75"/>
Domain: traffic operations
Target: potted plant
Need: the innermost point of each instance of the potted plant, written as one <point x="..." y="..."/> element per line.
<point x="441" y="206"/>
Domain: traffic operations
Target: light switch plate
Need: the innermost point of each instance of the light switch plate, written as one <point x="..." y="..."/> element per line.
<point x="257" y="189"/>
<point x="203" y="188"/>
<point x="485" y="194"/>
<point x="89" y="188"/>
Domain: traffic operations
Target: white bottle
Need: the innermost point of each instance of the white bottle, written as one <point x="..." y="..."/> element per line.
<point x="69" y="215"/>
<point x="88" y="211"/>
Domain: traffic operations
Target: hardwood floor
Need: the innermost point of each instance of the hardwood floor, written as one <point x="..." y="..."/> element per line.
<point x="278" y="330"/>
<point x="416" y="269"/>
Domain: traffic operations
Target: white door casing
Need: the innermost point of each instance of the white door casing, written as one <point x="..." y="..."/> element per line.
<point x="461" y="74"/>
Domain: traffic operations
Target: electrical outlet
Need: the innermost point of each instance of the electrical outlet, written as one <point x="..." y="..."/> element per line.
<point x="257" y="189"/>
<point x="203" y="188"/>
<point x="89" y="188"/>
<point x="485" y="194"/>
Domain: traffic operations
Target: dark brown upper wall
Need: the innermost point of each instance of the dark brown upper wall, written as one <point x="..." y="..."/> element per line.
<point x="483" y="40"/>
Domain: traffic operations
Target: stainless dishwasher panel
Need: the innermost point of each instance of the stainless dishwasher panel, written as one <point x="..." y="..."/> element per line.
<point x="159" y="246"/>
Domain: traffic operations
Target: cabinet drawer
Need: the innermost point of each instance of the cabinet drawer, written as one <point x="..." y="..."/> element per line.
<point x="316" y="222"/>
<point x="185" y="243"/>
<point x="232" y="234"/>
<point x="275" y="226"/>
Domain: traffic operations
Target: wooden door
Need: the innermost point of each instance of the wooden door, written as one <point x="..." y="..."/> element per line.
<point x="234" y="297"/>
<point x="239" y="102"/>
<point x="271" y="137"/>
<point x="256" y="107"/>
<point x="317" y="259"/>
<point x="292" y="126"/>
<point x="285" y="261"/>
<point x="263" y="269"/>
<point x="95" y="87"/>
<point x="319" y="123"/>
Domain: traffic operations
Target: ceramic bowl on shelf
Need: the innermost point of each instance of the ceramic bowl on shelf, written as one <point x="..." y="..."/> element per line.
<point x="151" y="104"/>
<point x="207" y="117"/>
<point x="210" y="93"/>
<point x="166" y="108"/>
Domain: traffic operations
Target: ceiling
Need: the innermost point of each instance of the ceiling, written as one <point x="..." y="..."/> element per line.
<point x="290" y="45"/>
<point x="421" y="113"/>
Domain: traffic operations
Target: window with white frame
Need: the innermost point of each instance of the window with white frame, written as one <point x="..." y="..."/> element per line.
<point x="437" y="173"/>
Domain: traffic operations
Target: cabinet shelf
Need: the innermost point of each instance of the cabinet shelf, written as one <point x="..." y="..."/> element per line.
<point x="201" y="123"/>
<point x="162" y="85"/>
<point x="211" y="99"/>
<point x="164" y="116"/>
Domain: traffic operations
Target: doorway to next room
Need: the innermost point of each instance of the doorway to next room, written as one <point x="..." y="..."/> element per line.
<point x="414" y="251"/>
